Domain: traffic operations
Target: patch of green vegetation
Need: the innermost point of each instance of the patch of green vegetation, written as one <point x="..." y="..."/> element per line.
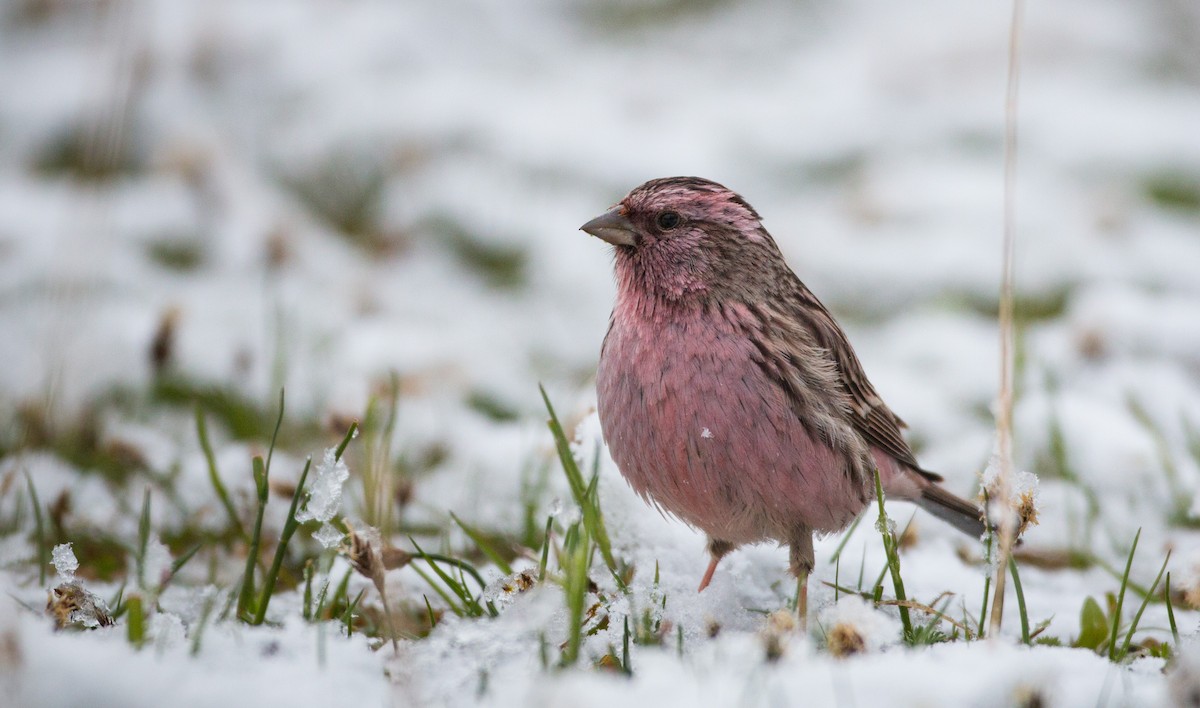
<point x="1174" y="190"/>
<point x="1027" y="307"/>
<point x="87" y="151"/>
<point x="180" y="255"/>
<point x="78" y="441"/>
<point x="107" y="558"/>
<point x="626" y="15"/>
<point x="1180" y="496"/>
<point x="1101" y="628"/>
<point x="345" y="190"/>
<point x="241" y="416"/>
<point x="501" y="266"/>
<point x="492" y="407"/>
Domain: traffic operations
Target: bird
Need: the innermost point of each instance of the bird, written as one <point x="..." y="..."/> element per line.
<point x="728" y="395"/>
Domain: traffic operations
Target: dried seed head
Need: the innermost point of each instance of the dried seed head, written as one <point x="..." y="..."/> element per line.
<point x="1027" y="513"/>
<point x="279" y="248"/>
<point x="1190" y="595"/>
<point x="844" y="639"/>
<point x="395" y="558"/>
<point x="162" y="348"/>
<point x="363" y="557"/>
<point x="908" y="537"/>
<point x="781" y="625"/>
<point x="73" y="607"/>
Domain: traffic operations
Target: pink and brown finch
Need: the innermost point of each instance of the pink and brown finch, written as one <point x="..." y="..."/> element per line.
<point x="728" y="396"/>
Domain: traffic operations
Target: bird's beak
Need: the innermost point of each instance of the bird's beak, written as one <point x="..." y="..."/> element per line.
<point x="612" y="226"/>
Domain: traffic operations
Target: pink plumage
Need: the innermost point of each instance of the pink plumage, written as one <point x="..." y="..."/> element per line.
<point x="728" y="396"/>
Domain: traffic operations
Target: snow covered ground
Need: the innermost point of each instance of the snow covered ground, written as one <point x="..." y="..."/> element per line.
<point x="315" y="194"/>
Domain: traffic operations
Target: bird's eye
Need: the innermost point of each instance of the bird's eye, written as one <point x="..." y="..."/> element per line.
<point x="668" y="220"/>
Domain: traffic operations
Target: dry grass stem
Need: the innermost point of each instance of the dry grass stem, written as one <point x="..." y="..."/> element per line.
<point x="366" y="558"/>
<point x="1007" y="325"/>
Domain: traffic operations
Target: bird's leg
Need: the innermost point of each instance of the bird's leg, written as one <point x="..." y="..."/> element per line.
<point x="717" y="549"/>
<point x="801" y="560"/>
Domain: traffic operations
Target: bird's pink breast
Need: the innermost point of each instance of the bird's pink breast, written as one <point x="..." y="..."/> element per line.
<point x="697" y="427"/>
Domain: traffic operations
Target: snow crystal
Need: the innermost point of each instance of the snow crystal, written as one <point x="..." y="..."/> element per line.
<point x="325" y="492"/>
<point x="706" y="433"/>
<point x="328" y="536"/>
<point x="64" y="561"/>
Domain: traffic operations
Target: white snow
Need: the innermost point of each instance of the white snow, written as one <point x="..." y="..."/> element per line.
<point x="324" y="492"/>
<point x="476" y="137"/>
<point x="64" y="562"/>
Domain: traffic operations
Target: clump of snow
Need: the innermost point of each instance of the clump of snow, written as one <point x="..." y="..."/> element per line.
<point x="167" y="630"/>
<point x="503" y="591"/>
<point x="325" y="497"/>
<point x="1183" y="679"/>
<point x="156" y="564"/>
<point x="328" y="536"/>
<point x="64" y="562"/>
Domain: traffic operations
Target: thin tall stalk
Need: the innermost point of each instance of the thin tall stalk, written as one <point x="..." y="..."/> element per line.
<point x="1007" y="327"/>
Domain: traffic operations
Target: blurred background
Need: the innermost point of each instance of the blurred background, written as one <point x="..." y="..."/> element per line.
<point x="203" y="202"/>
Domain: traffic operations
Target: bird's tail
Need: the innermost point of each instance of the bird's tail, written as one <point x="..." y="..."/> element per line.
<point x="956" y="511"/>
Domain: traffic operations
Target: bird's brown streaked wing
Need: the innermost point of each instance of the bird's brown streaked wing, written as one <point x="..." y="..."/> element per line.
<point x="870" y="415"/>
<point x="789" y="355"/>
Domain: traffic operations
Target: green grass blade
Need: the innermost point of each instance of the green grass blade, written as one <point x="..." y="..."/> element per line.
<point x="182" y="561"/>
<point x="1116" y="618"/>
<point x="469" y="603"/>
<point x="135" y="621"/>
<point x="592" y="517"/>
<point x="625" y="650"/>
<point x="482" y="544"/>
<point x="889" y="546"/>
<point x="143" y="538"/>
<point x="285" y="537"/>
<point x="461" y="565"/>
<point x="545" y="550"/>
<point x="454" y="606"/>
<point x="429" y="609"/>
<point x="350" y="433"/>
<point x="348" y="615"/>
<point x="210" y="602"/>
<point x="987" y="589"/>
<point x="274" y="437"/>
<point x="214" y="476"/>
<point x="308" y="593"/>
<point x="341" y="593"/>
<point x="117" y="603"/>
<point x="893" y="556"/>
<point x="575" y="561"/>
<point x="1171" y="613"/>
<point x="1012" y="567"/>
<point x="1137" y="617"/>
<point x="837" y="552"/>
<point x="39" y="523"/>
<point x="245" y="596"/>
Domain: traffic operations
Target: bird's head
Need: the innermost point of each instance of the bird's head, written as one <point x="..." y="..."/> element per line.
<point x="681" y="235"/>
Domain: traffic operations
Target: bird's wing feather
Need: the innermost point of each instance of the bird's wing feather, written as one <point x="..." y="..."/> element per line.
<point x="868" y="413"/>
